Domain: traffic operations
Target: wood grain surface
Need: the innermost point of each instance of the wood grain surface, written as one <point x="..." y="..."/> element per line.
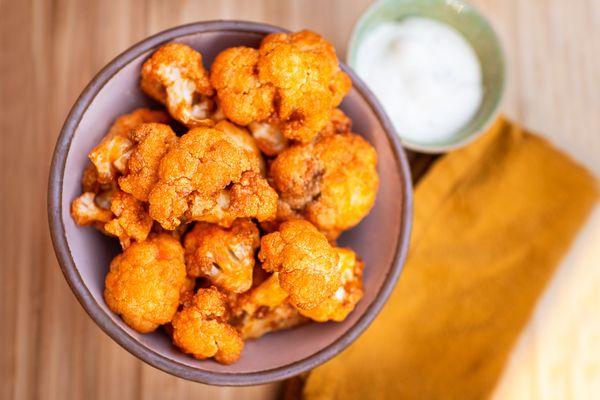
<point x="51" y="49"/>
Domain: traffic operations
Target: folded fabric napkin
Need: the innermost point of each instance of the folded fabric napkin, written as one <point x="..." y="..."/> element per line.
<point x="491" y="223"/>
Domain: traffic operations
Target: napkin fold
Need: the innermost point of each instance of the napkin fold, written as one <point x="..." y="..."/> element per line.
<point x="491" y="223"/>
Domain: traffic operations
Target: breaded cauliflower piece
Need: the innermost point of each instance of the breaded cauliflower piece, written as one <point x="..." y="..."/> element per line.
<point x="174" y="75"/>
<point x="306" y="263"/>
<point x="305" y="69"/>
<point x="293" y="77"/>
<point x="92" y="207"/>
<point x="111" y="155"/>
<point x="332" y="182"/>
<point x="268" y="136"/>
<point x="338" y="123"/>
<point x="245" y="141"/>
<point x="131" y="222"/>
<point x="250" y="197"/>
<point x="224" y="256"/>
<point x="89" y="180"/>
<point x="206" y="176"/>
<point x="114" y="213"/>
<point x="242" y="95"/>
<point x="151" y="143"/>
<point x="85" y="211"/>
<point x="145" y="281"/>
<point x="271" y="141"/>
<point x="267" y="320"/>
<point x="201" y="328"/>
<point x="345" y="298"/>
<point x="263" y="309"/>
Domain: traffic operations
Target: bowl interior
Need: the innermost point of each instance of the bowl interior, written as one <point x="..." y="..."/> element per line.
<point x="478" y="32"/>
<point x="376" y="239"/>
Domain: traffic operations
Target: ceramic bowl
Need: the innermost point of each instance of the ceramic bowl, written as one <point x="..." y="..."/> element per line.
<point x="478" y="32"/>
<point x="84" y="254"/>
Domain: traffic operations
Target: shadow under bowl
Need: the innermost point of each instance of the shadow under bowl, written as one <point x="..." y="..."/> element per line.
<point x="84" y="254"/>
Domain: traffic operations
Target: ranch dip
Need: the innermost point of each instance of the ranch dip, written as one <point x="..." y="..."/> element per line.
<point x="426" y="75"/>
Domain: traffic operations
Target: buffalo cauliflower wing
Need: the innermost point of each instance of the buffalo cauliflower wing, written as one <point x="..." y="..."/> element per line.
<point x="263" y="309"/>
<point x="268" y="136"/>
<point x="86" y="211"/>
<point x="338" y="123"/>
<point x="111" y="155"/>
<point x="225" y="256"/>
<point x="89" y="180"/>
<point x="114" y="213"/>
<point x="201" y="328"/>
<point x="151" y="143"/>
<point x="307" y="265"/>
<point x="174" y="75"/>
<point x="293" y="77"/>
<point x="242" y="96"/>
<point x="304" y="68"/>
<point x="131" y="222"/>
<point x="245" y="141"/>
<point x="332" y="182"/>
<point x="92" y="207"/>
<point x="144" y="283"/>
<point x="271" y="141"/>
<point x="206" y="176"/>
<point x="345" y="298"/>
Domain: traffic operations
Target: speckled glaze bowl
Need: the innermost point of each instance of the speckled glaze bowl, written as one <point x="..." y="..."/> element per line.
<point x="478" y="32"/>
<point x="84" y="254"/>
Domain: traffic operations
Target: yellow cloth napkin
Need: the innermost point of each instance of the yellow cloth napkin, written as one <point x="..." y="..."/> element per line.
<point x="491" y="222"/>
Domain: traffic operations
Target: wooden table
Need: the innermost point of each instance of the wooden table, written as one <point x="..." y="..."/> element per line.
<point x="51" y="49"/>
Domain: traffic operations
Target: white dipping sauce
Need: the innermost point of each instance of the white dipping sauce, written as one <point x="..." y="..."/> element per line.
<point x="426" y="75"/>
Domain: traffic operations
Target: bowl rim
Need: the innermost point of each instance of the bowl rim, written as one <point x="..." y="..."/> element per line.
<point x="354" y="43"/>
<point x="102" y="319"/>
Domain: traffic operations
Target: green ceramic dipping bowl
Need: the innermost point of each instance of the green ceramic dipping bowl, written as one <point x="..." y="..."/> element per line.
<point x="478" y="32"/>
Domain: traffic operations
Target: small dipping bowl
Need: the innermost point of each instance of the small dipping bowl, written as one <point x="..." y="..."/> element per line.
<point x="476" y="30"/>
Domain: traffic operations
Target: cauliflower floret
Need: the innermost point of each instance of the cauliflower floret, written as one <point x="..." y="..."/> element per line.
<point x="251" y="197"/>
<point x="206" y="176"/>
<point x="224" y="256"/>
<point x="332" y="182"/>
<point x="174" y="75"/>
<point x="151" y="143"/>
<point x="305" y="69"/>
<point x="201" y="328"/>
<point x="345" y="298"/>
<point x="245" y="141"/>
<point x="110" y="156"/>
<point x="242" y="96"/>
<point x="293" y="77"/>
<point x="131" y="221"/>
<point x="268" y="136"/>
<point x="306" y="263"/>
<point x="263" y="309"/>
<point x="85" y="211"/>
<point x="266" y="320"/>
<point x="114" y="213"/>
<point x="89" y="180"/>
<point x="338" y="123"/>
<point x="271" y="141"/>
<point x="145" y="281"/>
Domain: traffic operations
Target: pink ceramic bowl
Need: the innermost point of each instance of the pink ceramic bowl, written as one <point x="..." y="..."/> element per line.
<point x="84" y="254"/>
